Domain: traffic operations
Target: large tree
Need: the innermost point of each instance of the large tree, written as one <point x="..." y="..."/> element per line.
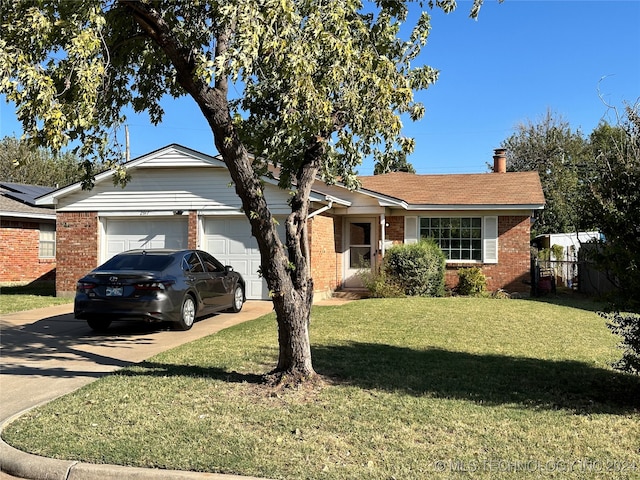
<point x="21" y="162"/>
<point x="611" y="201"/>
<point x="559" y="154"/>
<point x="310" y="87"/>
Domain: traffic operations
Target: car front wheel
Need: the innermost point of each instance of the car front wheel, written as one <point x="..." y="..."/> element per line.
<point x="187" y="313"/>
<point x="238" y="299"/>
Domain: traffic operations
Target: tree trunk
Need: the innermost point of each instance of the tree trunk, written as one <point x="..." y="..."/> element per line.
<point x="293" y="311"/>
<point x="285" y="267"/>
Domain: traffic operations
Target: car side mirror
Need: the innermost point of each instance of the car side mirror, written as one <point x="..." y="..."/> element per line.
<point x="228" y="268"/>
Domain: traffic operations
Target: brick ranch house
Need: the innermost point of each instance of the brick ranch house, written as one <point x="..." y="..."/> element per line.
<point x="27" y="235"/>
<point x="181" y="198"/>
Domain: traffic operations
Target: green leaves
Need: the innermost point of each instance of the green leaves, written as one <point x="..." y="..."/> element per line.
<point x="49" y="56"/>
<point x="337" y="72"/>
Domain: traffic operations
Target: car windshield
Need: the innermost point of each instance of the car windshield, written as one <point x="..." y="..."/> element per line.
<point x="146" y="262"/>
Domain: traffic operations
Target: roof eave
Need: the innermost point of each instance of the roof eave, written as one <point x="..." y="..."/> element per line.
<point x="38" y="216"/>
<point x="496" y="206"/>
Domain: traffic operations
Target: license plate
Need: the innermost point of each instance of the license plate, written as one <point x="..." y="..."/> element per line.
<point x="114" y="291"/>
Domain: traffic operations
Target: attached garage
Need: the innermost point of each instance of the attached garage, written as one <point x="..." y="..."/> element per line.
<point x="176" y="198"/>
<point x="121" y="234"/>
<point x="229" y="239"/>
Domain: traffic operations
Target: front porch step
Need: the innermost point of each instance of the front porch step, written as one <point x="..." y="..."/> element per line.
<point x="352" y="293"/>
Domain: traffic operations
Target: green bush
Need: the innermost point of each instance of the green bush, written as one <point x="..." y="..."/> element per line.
<point x="380" y="285"/>
<point x="417" y="269"/>
<point x="627" y="325"/>
<point x="557" y="251"/>
<point x="471" y="281"/>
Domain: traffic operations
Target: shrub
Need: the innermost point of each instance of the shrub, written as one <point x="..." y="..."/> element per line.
<point x="380" y="285"/>
<point x="557" y="251"/>
<point x="417" y="269"/>
<point x="627" y="325"/>
<point x="471" y="281"/>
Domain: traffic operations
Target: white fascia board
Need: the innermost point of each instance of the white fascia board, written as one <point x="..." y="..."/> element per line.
<point x="320" y="197"/>
<point x="142" y="214"/>
<point x="383" y="200"/>
<point x="474" y="207"/>
<point x="220" y="211"/>
<point x="35" y="216"/>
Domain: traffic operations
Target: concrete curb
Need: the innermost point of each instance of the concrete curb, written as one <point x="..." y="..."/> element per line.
<point x="34" y="467"/>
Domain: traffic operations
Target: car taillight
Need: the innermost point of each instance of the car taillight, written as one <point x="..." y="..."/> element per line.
<point x="154" y="286"/>
<point x="85" y="286"/>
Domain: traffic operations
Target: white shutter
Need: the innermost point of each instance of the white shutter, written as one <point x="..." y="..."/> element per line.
<point x="411" y="233"/>
<point x="490" y="235"/>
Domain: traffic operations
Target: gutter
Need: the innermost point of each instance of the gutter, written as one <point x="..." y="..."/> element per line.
<point x="320" y="210"/>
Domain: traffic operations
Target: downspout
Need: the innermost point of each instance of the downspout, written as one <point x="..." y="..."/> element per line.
<point x="320" y="210"/>
<point x="383" y="228"/>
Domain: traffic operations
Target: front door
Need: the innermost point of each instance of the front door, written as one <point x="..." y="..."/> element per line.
<point x="361" y="238"/>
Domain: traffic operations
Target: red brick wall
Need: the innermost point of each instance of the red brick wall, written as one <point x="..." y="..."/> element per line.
<point x="192" y="230"/>
<point x="77" y="253"/>
<point x="513" y="268"/>
<point x="514" y="265"/>
<point x="325" y="239"/>
<point x="20" y="260"/>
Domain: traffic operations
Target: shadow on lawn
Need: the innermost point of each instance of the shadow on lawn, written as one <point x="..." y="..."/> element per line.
<point x="484" y="379"/>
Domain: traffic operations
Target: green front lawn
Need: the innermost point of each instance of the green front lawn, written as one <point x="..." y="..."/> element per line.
<point x="18" y="298"/>
<point x="411" y="388"/>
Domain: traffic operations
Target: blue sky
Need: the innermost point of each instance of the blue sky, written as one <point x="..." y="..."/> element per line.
<point x="518" y="60"/>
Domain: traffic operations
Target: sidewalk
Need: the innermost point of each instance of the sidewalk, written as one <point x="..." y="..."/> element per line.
<point x="46" y="353"/>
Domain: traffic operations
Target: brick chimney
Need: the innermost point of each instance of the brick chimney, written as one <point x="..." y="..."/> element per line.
<point x="500" y="160"/>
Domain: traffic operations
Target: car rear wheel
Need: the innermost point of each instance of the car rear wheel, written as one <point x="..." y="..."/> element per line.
<point x="238" y="299"/>
<point x="187" y="313"/>
<point x="99" y="324"/>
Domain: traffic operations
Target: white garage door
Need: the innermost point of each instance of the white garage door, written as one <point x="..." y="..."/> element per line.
<point x="229" y="239"/>
<point x="127" y="234"/>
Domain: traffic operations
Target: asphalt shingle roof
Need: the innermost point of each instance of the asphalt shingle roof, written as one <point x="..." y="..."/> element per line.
<point x="513" y="188"/>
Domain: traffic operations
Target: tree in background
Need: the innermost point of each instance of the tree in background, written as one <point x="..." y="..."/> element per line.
<point x="317" y="86"/>
<point x="559" y="155"/>
<point x="21" y="162"/>
<point x="395" y="161"/>
<point x="611" y="203"/>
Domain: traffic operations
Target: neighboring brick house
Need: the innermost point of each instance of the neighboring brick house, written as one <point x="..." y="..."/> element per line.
<point x="27" y="235"/>
<point x="179" y="198"/>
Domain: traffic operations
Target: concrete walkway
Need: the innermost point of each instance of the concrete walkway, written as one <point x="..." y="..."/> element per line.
<point x="47" y="353"/>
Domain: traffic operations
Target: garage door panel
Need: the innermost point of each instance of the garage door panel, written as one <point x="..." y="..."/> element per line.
<point x="127" y="234"/>
<point x="257" y="289"/>
<point x="217" y="247"/>
<point x="241" y="266"/>
<point x="240" y="247"/>
<point x="229" y="239"/>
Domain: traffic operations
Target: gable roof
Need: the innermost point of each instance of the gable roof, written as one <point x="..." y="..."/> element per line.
<point x="513" y="189"/>
<point x="510" y="191"/>
<point x="173" y="155"/>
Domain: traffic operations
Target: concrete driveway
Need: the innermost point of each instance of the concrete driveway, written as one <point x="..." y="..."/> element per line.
<point x="46" y="353"/>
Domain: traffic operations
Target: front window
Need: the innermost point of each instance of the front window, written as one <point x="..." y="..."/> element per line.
<point x="460" y="238"/>
<point x="47" y="243"/>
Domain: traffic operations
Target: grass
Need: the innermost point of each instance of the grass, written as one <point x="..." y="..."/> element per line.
<point x="18" y="298"/>
<point x="411" y="388"/>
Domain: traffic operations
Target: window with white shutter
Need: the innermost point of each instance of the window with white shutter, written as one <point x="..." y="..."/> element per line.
<point x="490" y="235"/>
<point x="410" y="230"/>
